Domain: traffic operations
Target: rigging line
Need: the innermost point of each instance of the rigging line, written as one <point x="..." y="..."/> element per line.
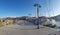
<point x="45" y="7"/>
<point x="34" y="8"/>
<point x="49" y="9"/>
<point x="53" y="10"/>
<point x="34" y="1"/>
<point x="47" y="4"/>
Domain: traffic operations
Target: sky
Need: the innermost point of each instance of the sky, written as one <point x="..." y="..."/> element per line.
<point x="14" y="8"/>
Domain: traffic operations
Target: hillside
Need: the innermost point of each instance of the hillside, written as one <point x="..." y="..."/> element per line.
<point x="57" y="18"/>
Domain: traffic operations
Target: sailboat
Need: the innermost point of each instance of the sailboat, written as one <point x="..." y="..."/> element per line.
<point x="44" y="20"/>
<point x="49" y="20"/>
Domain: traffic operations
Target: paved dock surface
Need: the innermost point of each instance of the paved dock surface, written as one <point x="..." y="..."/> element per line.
<point x="26" y="30"/>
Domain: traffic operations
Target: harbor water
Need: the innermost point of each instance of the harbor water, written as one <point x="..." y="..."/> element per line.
<point x="58" y="23"/>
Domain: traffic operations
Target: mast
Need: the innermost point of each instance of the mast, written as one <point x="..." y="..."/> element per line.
<point x="52" y="10"/>
<point x="49" y="9"/>
<point x="45" y="7"/>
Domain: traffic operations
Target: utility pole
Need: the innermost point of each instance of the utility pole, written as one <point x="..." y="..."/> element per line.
<point x="37" y="6"/>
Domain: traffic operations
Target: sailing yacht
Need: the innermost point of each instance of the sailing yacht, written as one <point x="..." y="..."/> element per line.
<point x="50" y="21"/>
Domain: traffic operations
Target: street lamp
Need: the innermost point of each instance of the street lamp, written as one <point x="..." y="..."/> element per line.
<point x="37" y="6"/>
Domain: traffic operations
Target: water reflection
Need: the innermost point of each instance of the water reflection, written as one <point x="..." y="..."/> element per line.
<point x="58" y="23"/>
